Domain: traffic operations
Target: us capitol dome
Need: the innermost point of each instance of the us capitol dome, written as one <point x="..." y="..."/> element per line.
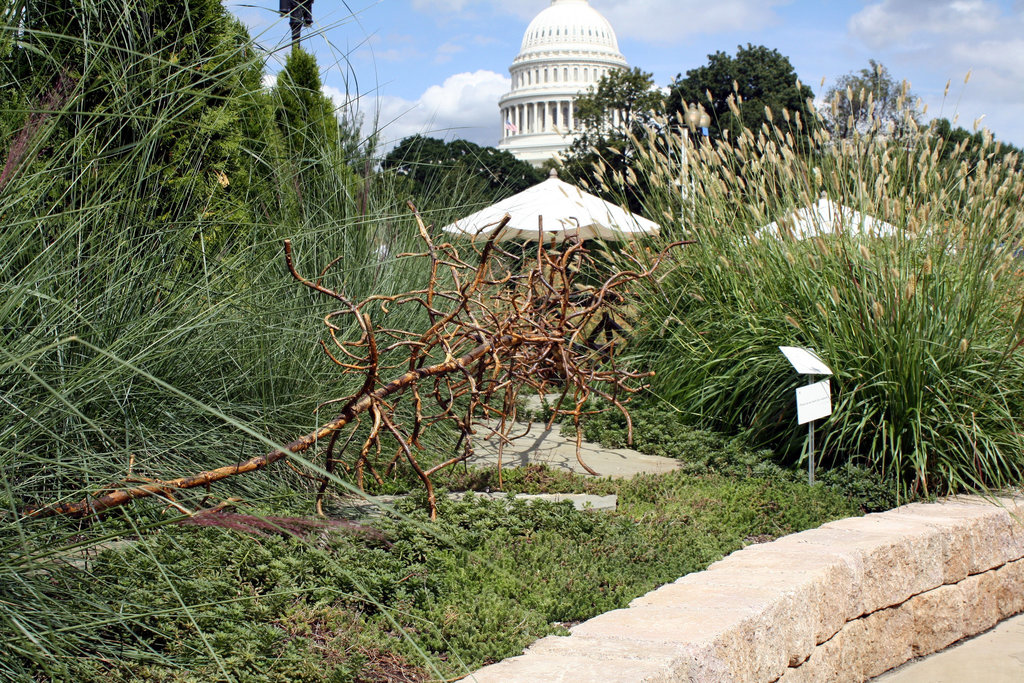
<point x="566" y="50"/>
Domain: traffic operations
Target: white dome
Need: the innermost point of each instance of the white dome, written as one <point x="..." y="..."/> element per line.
<point x="571" y="25"/>
<point x="566" y="50"/>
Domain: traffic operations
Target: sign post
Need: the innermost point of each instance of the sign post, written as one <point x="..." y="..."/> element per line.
<point x="813" y="401"/>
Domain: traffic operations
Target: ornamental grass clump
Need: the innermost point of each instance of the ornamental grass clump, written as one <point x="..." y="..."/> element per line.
<point x="921" y="324"/>
<point x="148" y="326"/>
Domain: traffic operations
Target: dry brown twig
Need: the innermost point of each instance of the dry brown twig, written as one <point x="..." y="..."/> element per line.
<point x="491" y="332"/>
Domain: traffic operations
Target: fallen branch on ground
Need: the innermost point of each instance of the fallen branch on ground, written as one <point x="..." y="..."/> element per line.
<point x="495" y="326"/>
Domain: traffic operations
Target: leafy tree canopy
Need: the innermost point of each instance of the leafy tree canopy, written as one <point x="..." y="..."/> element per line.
<point x="628" y="93"/>
<point x="431" y="165"/>
<point x="736" y="90"/>
<point x="957" y="144"/>
<point x="612" y="117"/>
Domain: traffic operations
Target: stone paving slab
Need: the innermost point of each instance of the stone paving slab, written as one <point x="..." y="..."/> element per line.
<point x="581" y="501"/>
<point x="540" y="446"/>
<point x="371" y="505"/>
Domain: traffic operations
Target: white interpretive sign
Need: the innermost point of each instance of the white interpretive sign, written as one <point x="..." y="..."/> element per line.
<point x="805" y="361"/>
<point x="813" y="401"/>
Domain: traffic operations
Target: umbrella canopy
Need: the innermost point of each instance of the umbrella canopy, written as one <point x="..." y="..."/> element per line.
<point x="826" y="217"/>
<point x="565" y="211"/>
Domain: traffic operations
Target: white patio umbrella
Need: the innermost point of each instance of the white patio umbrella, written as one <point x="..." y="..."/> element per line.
<point x="564" y="210"/>
<point x="826" y="217"/>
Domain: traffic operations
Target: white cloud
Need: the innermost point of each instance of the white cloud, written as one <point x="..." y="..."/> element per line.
<point x="945" y="39"/>
<point x="906" y="23"/>
<point x="393" y="47"/>
<point x="446" y="51"/>
<point x="668" y="20"/>
<point x="340" y="98"/>
<point x="443" y="5"/>
<point x="525" y="9"/>
<point x="464" y="106"/>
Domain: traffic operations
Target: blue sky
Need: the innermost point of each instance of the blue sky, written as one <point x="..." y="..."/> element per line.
<point x="438" y="67"/>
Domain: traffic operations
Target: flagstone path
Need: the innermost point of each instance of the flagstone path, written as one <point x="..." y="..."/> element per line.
<point x="548" y="447"/>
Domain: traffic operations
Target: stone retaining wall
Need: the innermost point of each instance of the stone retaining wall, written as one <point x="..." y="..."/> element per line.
<point x="843" y="602"/>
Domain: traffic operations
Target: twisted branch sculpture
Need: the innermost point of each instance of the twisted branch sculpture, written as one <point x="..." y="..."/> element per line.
<point x="490" y="333"/>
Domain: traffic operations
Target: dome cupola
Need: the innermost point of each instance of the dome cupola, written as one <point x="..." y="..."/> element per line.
<point x="569" y="25"/>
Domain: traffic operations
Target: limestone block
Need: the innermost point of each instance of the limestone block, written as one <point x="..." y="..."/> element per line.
<point x="947" y="614"/>
<point x="738" y="643"/>
<point x="883" y="641"/>
<point x="937" y="619"/>
<point x="1015" y="510"/>
<point x="981" y="596"/>
<point x="821" y="583"/>
<point x="707" y="593"/>
<point x="982" y="534"/>
<point x="668" y="655"/>
<point x="901" y="558"/>
<point x="1008" y="590"/>
<point x="877" y="560"/>
<point x="680" y="624"/>
<point x="834" y="661"/>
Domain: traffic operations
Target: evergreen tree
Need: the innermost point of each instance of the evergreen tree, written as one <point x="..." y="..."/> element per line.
<point x="740" y="88"/>
<point x="155" y="104"/>
<point x="305" y="115"/>
<point x="319" y="145"/>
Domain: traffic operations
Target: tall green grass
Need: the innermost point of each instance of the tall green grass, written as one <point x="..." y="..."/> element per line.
<point x="148" y="326"/>
<point x="922" y="328"/>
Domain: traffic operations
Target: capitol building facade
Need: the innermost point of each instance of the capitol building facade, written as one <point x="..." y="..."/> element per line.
<point x="566" y="50"/>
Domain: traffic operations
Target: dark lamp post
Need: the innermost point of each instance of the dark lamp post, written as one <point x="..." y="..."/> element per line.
<point x="299" y="13"/>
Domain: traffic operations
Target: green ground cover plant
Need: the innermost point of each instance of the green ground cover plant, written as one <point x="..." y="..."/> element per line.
<point x="661" y="429"/>
<point x="148" y="329"/>
<point x="411" y="600"/>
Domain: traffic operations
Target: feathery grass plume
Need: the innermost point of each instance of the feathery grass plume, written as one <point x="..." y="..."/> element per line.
<point x="880" y="309"/>
<point x="877" y="310"/>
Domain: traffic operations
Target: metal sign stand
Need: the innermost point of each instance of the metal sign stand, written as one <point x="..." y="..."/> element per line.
<point x="810" y="450"/>
<point x="817" y="404"/>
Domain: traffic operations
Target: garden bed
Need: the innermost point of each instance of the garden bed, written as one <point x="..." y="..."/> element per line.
<point x="406" y="599"/>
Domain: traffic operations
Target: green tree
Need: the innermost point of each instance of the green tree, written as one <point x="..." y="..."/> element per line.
<point x="622" y="103"/>
<point x="318" y="144"/>
<point x="869" y="100"/>
<point x="305" y="115"/>
<point x="957" y="144"/>
<point x="613" y="117"/>
<point x="737" y="90"/>
<point x="434" y="167"/>
<point x="157" y="100"/>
